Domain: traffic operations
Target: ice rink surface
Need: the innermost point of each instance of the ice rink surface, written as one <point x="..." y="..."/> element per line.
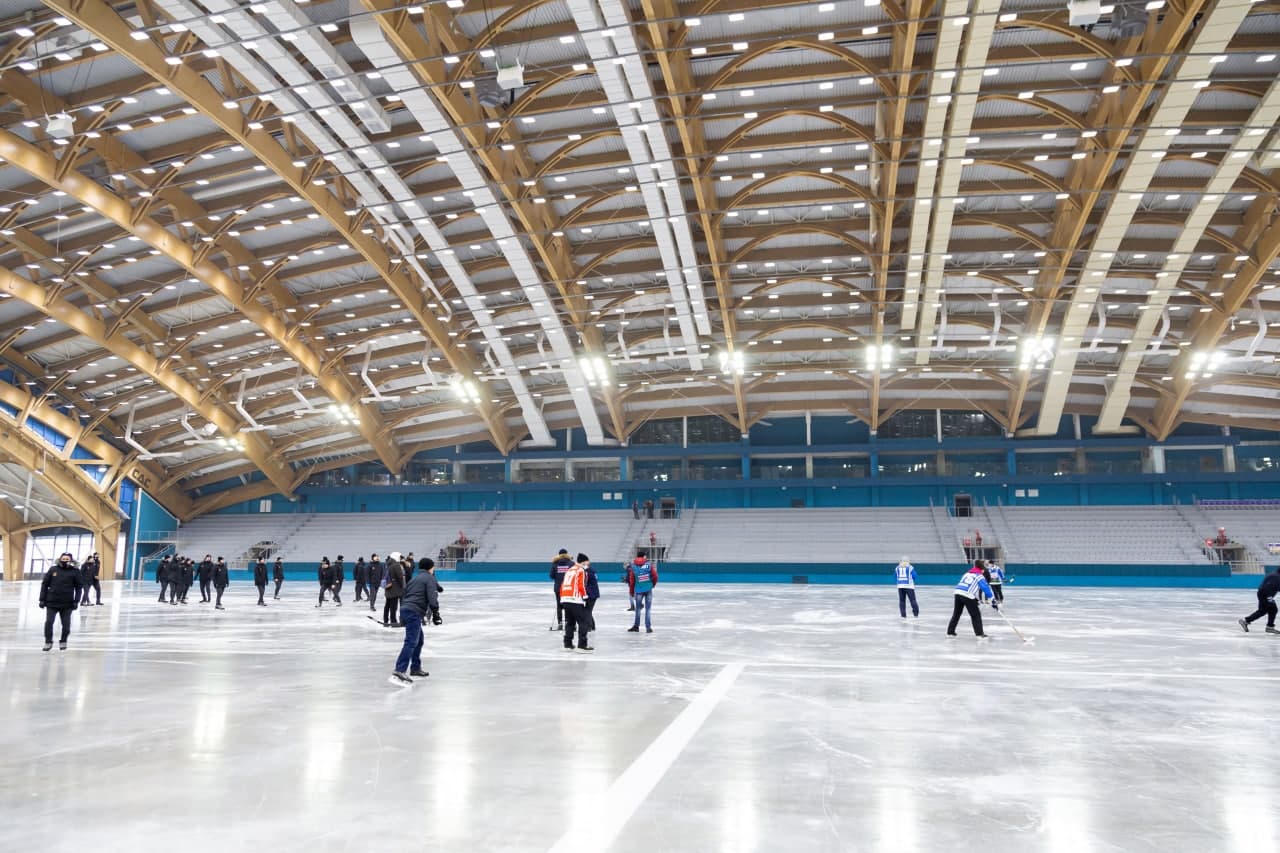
<point x="769" y="718"/>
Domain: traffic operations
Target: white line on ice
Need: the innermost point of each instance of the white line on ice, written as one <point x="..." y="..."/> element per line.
<point x="602" y="821"/>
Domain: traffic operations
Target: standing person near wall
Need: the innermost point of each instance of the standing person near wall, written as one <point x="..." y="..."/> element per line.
<point x="630" y="580"/>
<point x="644" y="577"/>
<point x="971" y="589"/>
<point x="559" y="565"/>
<point x="89" y="579"/>
<point x="593" y="595"/>
<point x="418" y="595"/>
<point x="59" y="595"/>
<point x="376" y="577"/>
<point x="394" y="591"/>
<point x="277" y="574"/>
<point x="573" y="600"/>
<point x="220" y="580"/>
<point x="1267" y="591"/>
<point x="260" y="580"/>
<point x="995" y="573"/>
<point x="361" y="578"/>
<point x="905" y="575"/>
<point x="205" y="575"/>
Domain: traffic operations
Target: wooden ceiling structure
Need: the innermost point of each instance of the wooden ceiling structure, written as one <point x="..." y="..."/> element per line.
<point x="271" y="237"/>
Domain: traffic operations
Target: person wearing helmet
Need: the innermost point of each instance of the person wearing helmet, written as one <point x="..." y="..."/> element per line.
<point x="905" y="575"/>
<point x="59" y="595"/>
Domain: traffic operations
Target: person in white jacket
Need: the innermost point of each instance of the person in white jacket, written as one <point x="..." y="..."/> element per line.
<point x="905" y="575"/>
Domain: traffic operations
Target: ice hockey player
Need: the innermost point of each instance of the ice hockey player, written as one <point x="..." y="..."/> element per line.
<point x="969" y="591"/>
<point x="1266" y="603"/>
<point x="996" y="575"/>
<point x="561" y="564"/>
<point x="220" y="580"/>
<point x="905" y="575"/>
<point x="59" y="595"/>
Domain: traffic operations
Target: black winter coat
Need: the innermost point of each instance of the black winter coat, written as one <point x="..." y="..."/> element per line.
<point x="326" y="576"/>
<point x="206" y="570"/>
<point x="277" y="571"/>
<point x="61" y="587"/>
<point x="220" y="577"/>
<point x="339" y="572"/>
<point x="260" y="574"/>
<point x="362" y="571"/>
<point x="395" y="584"/>
<point x="375" y="573"/>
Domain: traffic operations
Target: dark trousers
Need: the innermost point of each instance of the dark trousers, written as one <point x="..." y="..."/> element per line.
<point x="389" y="609"/>
<point x="906" y="594"/>
<point x="411" y="651"/>
<point x="591" y="617"/>
<point x="279" y="583"/>
<point x="219" y="591"/>
<point x="361" y="589"/>
<point x="373" y="596"/>
<point x="575" y="618"/>
<point x="963" y="603"/>
<point x="1267" y="608"/>
<point x="262" y="590"/>
<point x="164" y="585"/>
<point x="332" y="589"/>
<point x="205" y="584"/>
<point x="186" y="586"/>
<point x="559" y="606"/>
<point x="96" y="587"/>
<point x="997" y="589"/>
<point x="62" y="612"/>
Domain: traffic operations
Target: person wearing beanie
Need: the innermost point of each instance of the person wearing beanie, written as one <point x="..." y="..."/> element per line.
<point x="905" y="575"/>
<point x="642" y="579"/>
<point x="1267" y="591"/>
<point x="573" y="601"/>
<point x="60" y="592"/>
<point x="428" y="566"/>
<point x="971" y="589"/>
<point x="205" y="575"/>
<point x="376" y="576"/>
<point x="361" y="576"/>
<point x="277" y="574"/>
<point x="559" y="566"/>
<point x="593" y="594"/>
<point x="339" y="575"/>
<point x="324" y="574"/>
<point x="220" y="580"/>
<point x="415" y="604"/>
<point x="260" y="580"/>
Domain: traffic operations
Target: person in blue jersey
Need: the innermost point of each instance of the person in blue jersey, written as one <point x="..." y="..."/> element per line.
<point x="971" y="589"/>
<point x="995" y="575"/>
<point x="644" y="577"/>
<point x="905" y="575"/>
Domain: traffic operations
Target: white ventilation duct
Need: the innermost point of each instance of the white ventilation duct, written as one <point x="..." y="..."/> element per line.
<point x="981" y="26"/>
<point x="336" y="133"/>
<point x="651" y="157"/>
<point x="945" y="52"/>
<point x="1265" y="114"/>
<point x="1210" y="37"/>
<point x="367" y="35"/>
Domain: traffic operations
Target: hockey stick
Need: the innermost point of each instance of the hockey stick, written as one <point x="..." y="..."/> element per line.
<point x="1014" y="627"/>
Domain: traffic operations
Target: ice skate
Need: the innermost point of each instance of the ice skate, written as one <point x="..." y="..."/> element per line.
<point x="1244" y="623"/>
<point x="419" y="673"/>
<point x="48" y="646"/>
<point x="586" y="648"/>
<point x="62" y="647"/>
<point x="1272" y="629"/>
<point x="399" y="679"/>
<point x="634" y="629"/>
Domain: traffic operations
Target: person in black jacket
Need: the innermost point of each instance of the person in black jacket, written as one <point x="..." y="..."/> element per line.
<point x="173" y="577"/>
<point x="277" y="574"/>
<point x="417" y="596"/>
<point x="59" y="595"/>
<point x="428" y="566"/>
<point x="361" y="578"/>
<point x="89" y="580"/>
<point x="162" y="577"/>
<point x="395" y="589"/>
<point x="1267" y="591"/>
<point x="188" y="576"/>
<point x="339" y="577"/>
<point x="375" y="581"/>
<point x="220" y="580"/>
<point x="561" y="564"/>
<point x="327" y="582"/>
<point x="206" y="578"/>
<point x="260" y="580"/>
